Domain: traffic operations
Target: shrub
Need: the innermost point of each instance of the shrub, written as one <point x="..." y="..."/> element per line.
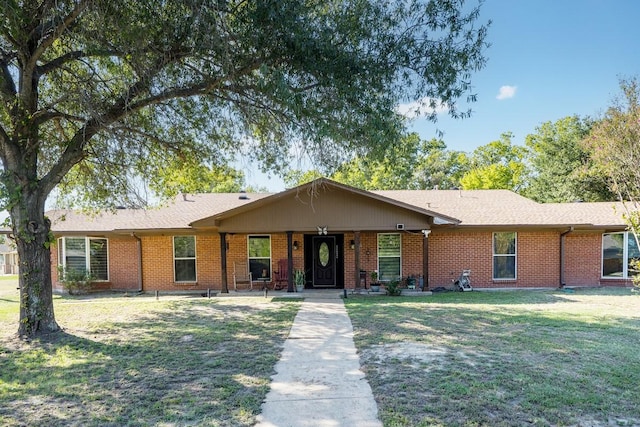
<point x="75" y="282"/>
<point x="393" y="288"/>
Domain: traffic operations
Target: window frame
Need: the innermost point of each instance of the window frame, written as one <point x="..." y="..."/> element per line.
<point x="268" y="259"/>
<point x="494" y="255"/>
<point x="186" y="258"/>
<point x="62" y="254"/>
<point x="399" y="256"/>
<point x="627" y="235"/>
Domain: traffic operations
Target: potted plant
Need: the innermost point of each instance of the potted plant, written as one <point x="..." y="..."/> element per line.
<point x="299" y="279"/>
<point x="375" y="285"/>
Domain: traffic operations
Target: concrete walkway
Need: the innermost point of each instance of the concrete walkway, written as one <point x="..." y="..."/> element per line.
<point x="318" y="381"/>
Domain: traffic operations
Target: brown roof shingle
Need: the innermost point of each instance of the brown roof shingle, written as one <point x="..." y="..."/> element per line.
<point x="472" y="207"/>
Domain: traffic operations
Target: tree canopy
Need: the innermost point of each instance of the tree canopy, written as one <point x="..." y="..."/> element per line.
<point x="497" y="165"/>
<point x="95" y="94"/>
<point x="562" y="169"/>
<point x="614" y="146"/>
<point x="411" y="164"/>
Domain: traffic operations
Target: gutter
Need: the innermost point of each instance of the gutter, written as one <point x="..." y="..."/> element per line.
<point x="562" y="235"/>
<point x="139" y="260"/>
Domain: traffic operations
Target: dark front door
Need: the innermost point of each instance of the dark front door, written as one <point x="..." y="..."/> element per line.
<point x="324" y="261"/>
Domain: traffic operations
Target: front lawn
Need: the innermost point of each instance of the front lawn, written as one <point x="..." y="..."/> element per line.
<point x="502" y="358"/>
<point x="137" y="361"/>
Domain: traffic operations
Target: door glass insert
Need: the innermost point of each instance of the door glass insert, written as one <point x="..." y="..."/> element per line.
<point x="323" y="254"/>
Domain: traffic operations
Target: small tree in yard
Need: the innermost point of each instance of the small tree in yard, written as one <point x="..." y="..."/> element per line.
<point x="97" y="95"/>
<point x="614" y="145"/>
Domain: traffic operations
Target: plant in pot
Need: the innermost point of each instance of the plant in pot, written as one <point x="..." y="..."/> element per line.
<point x="299" y="279"/>
<point x="375" y="285"/>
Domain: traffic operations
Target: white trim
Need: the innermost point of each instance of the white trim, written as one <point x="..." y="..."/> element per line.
<point x="249" y="258"/>
<point x="625" y="256"/>
<point x="194" y="258"/>
<point x="378" y="254"/>
<point x="62" y="253"/>
<point x="514" y="255"/>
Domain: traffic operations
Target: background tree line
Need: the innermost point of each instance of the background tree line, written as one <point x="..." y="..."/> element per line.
<point x="558" y="163"/>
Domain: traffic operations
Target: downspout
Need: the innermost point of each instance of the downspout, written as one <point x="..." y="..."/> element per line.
<point x="139" y="260"/>
<point x="562" y="235"/>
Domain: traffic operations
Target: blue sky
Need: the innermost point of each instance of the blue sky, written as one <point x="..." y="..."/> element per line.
<point x="555" y="58"/>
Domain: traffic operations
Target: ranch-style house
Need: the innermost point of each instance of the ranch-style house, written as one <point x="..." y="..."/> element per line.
<point x="337" y="235"/>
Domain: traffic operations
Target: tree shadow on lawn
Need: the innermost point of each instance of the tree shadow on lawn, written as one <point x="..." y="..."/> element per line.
<point x="447" y="365"/>
<point x="188" y="364"/>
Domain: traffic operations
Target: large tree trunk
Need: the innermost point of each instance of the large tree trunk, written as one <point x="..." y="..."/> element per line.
<point x="31" y="231"/>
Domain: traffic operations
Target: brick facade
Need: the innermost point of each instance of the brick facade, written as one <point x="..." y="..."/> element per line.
<point x="449" y="252"/>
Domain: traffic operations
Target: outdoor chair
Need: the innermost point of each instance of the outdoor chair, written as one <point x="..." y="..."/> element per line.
<point x="242" y="275"/>
<point x="281" y="275"/>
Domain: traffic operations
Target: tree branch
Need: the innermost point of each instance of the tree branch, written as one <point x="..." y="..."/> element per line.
<point x="41" y="117"/>
<point x="47" y="33"/>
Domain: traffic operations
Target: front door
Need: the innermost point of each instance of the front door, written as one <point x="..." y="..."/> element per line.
<point x="324" y="261"/>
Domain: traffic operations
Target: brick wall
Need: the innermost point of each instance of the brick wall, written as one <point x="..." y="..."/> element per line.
<point x="538" y="259"/>
<point x="583" y="266"/>
<point x="158" y="269"/>
<point x="123" y="265"/>
<point x="537" y="262"/>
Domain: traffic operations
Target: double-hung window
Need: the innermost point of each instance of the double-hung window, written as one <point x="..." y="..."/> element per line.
<point x="504" y="255"/>
<point x="619" y="250"/>
<point x="85" y="255"/>
<point x="184" y="258"/>
<point x="389" y="256"/>
<point x="260" y="257"/>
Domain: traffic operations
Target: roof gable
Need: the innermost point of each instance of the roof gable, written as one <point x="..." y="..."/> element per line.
<point x="323" y="202"/>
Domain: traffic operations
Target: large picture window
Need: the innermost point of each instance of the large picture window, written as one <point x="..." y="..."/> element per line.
<point x="619" y="250"/>
<point x="85" y="255"/>
<point x="389" y="256"/>
<point x="504" y="255"/>
<point x="260" y="257"/>
<point x="184" y="258"/>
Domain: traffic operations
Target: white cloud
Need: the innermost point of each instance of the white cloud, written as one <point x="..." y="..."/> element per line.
<point x="506" y="92"/>
<point x="421" y="108"/>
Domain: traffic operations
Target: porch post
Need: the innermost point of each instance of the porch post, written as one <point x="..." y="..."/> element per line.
<point x="289" y="261"/>
<point x="223" y="262"/>
<point x="425" y="262"/>
<point x="356" y="240"/>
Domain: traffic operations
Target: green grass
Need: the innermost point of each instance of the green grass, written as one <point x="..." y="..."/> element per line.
<point x="502" y="358"/>
<point x="137" y="361"/>
<point x="451" y="359"/>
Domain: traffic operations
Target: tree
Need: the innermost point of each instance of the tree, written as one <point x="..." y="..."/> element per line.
<point x="410" y="164"/>
<point x="92" y="91"/>
<point x="192" y="177"/>
<point x="441" y="168"/>
<point x="497" y="165"/>
<point x="390" y="168"/>
<point x="614" y="146"/>
<point x="562" y="170"/>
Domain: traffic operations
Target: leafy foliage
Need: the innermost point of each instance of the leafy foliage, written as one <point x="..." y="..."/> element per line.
<point x="411" y="163"/>
<point x="74" y="281"/>
<point x="393" y="288"/>
<point x="614" y="145"/>
<point x="562" y="169"/>
<point x="497" y="165"/>
<point x="96" y="96"/>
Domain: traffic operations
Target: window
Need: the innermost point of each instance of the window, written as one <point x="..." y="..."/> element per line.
<point x="504" y="256"/>
<point x="260" y="256"/>
<point x="184" y="258"/>
<point x="619" y="250"/>
<point x="389" y="257"/>
<point x="84" y="255"/>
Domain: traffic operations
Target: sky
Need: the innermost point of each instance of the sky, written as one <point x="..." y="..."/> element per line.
<point x="548" y="59"/>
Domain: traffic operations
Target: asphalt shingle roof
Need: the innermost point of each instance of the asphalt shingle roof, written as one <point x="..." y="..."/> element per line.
<point x="471" y="207"/>
<point x="176" y="215"/>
